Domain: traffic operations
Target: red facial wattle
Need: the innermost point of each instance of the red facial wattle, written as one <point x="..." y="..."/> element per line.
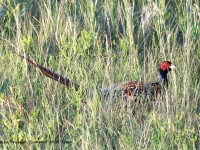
<point x="164" y="65"/>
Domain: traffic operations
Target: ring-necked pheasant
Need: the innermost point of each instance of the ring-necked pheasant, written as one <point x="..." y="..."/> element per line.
<point x="130" y="89"/>
<point x="142" y="90"/>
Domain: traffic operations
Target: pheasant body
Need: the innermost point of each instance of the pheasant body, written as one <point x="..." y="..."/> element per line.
<point x="141" y="90"/>
<point x="130" y="90"/>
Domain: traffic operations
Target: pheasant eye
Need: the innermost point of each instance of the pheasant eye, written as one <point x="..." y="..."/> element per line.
<point x="164" y="65"/>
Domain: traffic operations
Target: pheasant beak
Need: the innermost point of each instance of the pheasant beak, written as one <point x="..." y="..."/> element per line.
<point x="172" y="67"/>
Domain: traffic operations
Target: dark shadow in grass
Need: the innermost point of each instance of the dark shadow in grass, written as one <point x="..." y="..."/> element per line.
<point x="4" y="86"/>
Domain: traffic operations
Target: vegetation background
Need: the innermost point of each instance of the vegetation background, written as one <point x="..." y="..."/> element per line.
<point x="97" y="43"/>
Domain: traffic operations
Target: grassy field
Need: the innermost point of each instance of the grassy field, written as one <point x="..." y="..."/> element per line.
<point x="97" y="43"/>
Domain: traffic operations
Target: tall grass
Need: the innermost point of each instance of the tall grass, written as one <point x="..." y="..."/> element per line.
<point x="97" y="43"/>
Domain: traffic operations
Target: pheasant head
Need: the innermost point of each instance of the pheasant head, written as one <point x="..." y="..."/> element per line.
<point x="163" y="69"/>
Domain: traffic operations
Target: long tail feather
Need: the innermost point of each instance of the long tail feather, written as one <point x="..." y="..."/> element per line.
<point x="51" y="74"/>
